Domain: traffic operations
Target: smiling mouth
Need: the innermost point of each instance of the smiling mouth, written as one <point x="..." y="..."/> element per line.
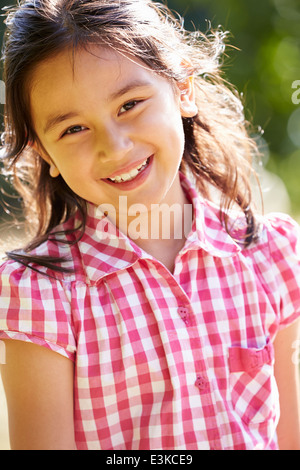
<point x="125" y="177"/>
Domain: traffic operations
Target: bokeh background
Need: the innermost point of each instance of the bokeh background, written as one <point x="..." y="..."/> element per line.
<point x="264" y="66"/>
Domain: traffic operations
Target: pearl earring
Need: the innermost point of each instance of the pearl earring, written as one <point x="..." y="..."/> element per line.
<point x="53" y="171"/>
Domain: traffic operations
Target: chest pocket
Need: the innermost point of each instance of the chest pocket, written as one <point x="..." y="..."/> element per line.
<point x="252" y="384"/>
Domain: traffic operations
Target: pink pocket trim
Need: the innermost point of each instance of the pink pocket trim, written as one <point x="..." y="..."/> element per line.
<point x="249" y="359"/>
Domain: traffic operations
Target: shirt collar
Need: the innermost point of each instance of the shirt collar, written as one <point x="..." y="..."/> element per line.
<point x="104" y="249"/>
<point x="207" y="232"/>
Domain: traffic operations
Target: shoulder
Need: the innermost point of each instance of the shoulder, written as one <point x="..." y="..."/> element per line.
<point x="35" y="297"/>
<point x="25" y="288"/>
<point x="278" y="248"/>
<point x="280" y="234"/>
<point x="276" y="245"/>
<point x="56" y="258"/>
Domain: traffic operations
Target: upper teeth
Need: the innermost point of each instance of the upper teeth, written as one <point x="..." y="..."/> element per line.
<point x="130" y="175"/>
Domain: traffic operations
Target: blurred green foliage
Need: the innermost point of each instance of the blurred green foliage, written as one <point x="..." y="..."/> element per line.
<point x="264" y="68"/>
<point x="264" y="64"/>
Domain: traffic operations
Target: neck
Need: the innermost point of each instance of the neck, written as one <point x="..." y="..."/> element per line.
<point x="162" y="229"/>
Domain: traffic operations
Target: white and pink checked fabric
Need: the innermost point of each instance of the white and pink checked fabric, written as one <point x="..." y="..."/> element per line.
<point x="164" y="361"/>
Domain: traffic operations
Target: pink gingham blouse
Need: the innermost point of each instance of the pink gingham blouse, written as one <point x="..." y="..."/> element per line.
<point x="164" y="361"/>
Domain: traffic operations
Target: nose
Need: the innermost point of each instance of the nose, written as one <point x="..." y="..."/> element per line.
<point x="113" y="142"/>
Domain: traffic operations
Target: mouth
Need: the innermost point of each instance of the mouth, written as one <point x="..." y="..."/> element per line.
<point x="130" y="175"/>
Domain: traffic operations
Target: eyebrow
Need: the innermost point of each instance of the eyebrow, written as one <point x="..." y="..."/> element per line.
<point x="54" y="120"/>
<point x="129" y="87"/>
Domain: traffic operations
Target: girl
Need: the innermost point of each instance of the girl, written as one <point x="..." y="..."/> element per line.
<point x="157" y="323"/>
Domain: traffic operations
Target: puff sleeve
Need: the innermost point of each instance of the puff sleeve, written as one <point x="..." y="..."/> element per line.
<point x="35" y="308"/>
<point x="283" y="240"/>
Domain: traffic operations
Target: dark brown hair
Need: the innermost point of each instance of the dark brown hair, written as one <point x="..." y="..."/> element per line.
<point x="218" y="150"/>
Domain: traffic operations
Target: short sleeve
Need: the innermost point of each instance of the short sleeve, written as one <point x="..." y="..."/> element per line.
<point x="284" y="244"/>
<point x="35" y="308"/>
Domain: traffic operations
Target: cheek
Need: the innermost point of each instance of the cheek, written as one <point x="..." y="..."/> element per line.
<point x="165" y="129"/>
<point x="72" y="164"/>
<point x="75" y="175"/>
<point x="176" y="136"/>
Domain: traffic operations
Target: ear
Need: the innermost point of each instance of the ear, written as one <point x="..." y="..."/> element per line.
<point x="53" y="170"/>
<point x="188" y="105"/>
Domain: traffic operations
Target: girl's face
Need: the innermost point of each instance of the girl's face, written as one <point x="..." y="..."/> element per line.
<point x="110" y="126"/>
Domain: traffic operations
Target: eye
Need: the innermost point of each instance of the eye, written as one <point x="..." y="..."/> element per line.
<point x="128" y="106"/>
<point x="74" y="130"/>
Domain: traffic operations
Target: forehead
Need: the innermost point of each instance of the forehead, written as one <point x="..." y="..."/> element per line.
<point x="98" y="67"/>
